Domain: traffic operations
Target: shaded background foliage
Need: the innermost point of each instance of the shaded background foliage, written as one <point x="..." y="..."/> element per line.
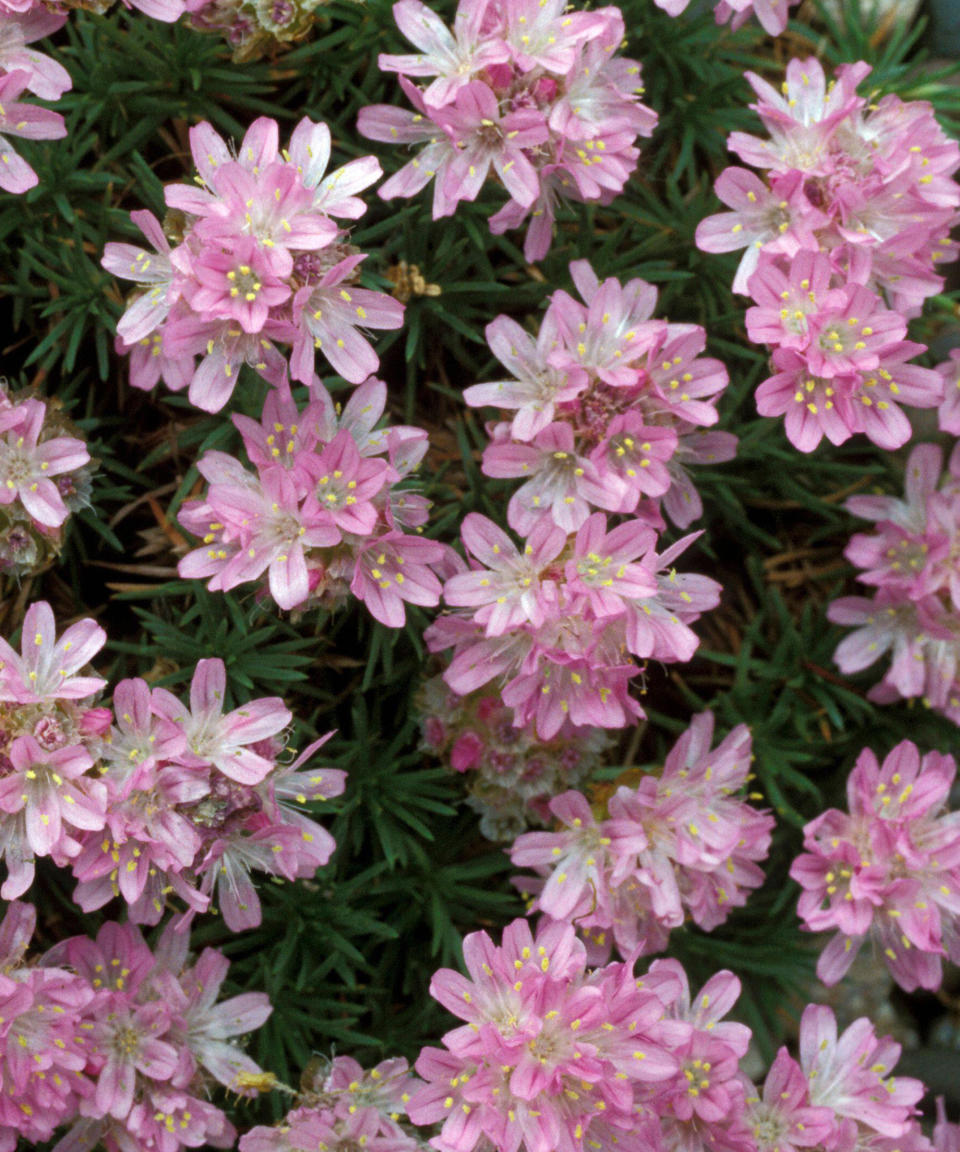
<point x="346" y="958"/>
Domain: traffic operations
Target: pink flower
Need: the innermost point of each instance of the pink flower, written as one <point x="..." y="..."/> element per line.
<point x="850" y="1074"/>
<point x="485" y="138"/>
<point x="27" y="465"/>
<point x="51" y="789"/>
<point x="454" y="58"/>
<point x="149" y="310"/>
<point x="783" y="1116"/>
<point x="395" y="569"/>
<point x="603" y="567"/>
<point x="275" y="529"/>
<point x="237" y="284"/>
<point x="47" y="79"/>
<point x="561" y="484"/>
<point x="208" y="1026"/>
<point x="346" y="483"/>
<point x="47" y="667"/>
<point x="611" y="332"/>
<point x="578" y="860"/>
<point x="537" y="386"/>
<point x="399" y="126"/>
<point x="329" y="314"/>
<point x="506" y="592"/>
<point x="26" y="121"/>
<point x="223" y="739"/>
<point x="775" y="219"/>
<point x="545" y="35"/>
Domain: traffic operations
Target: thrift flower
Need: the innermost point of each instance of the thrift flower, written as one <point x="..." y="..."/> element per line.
<point x="531" y="91"/>
<point x="45" y="474"/>
<point x="907" y="560"/>
<point x="325" y="514"/>
<point x="681" y="844"/>
<point x="843" y="230"/>
<point x="888" y="870"/>
<point x="260" y="264"/>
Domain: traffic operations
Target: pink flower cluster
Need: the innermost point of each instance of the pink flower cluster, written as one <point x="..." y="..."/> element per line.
<point x="511" y="775"/>
<point x="682" y="844"/>
<point x="771" y="14"/>
<point x="257" y="260"/>
<point x="327" y="511"/>
<point x="342" y="1107"/>
<point x="43" y="1053"/>
<point x="609" y="408"/>
<point x="44" y="476"/>
<point x="603" y="400"/>
<point x="118" y="1044"/>
<point x="527" y="88"/>
<point x="557" y="619"/>
<point x="889" y="869"/>
<point x="555" y="1056"/>
<point x="910" y="561"/>
<point x="151" y="799"/>
<point x="551" y="1055"/>
<point x="841" y="238"/>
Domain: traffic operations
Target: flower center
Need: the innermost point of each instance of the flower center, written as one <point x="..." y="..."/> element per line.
<point x="334" y="492"/>
<point x="244" y="283"/>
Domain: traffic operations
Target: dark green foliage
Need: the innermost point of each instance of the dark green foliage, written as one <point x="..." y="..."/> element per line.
<point x="347" y="958"/>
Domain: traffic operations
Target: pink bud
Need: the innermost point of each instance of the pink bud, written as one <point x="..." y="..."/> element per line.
<point x="466" y="752"/>
<point x="435" y="732"/>
<point x="95" y="722"/>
